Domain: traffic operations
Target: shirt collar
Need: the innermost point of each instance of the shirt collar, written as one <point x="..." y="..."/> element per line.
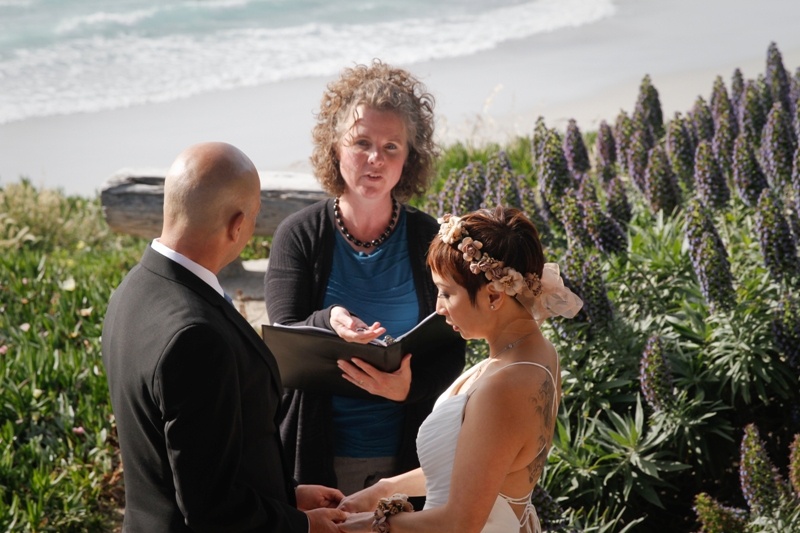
<point x="200" y="271"/>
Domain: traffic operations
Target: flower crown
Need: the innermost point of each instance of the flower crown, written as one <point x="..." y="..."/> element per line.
<point x="502" y="278"/>
<point x="543" y="297"/>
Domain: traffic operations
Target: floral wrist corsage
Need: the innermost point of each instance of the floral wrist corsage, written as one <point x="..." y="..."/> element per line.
<point x="387" y="507"/>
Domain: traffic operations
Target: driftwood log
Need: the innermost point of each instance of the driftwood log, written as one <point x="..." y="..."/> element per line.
<point x="133" y="200"/>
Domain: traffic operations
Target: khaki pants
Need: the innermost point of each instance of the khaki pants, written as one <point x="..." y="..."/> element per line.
<point x="356" y="473"/>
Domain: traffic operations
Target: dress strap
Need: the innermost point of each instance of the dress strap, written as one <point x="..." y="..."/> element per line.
<point x="522" y="500"/>
<point x="529" y="521"/>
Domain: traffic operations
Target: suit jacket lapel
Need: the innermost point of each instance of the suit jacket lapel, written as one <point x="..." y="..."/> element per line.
<point x="247" y="330"/>
<point x="169" y="269"/>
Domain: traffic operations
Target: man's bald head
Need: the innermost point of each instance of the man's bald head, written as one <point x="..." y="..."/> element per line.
<point x="207" y="187"/>
<point x="205" y="184"/>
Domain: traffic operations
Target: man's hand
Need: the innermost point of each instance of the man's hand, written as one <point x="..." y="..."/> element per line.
<point x="317" y="496"/>
<point x="325" y="520"/>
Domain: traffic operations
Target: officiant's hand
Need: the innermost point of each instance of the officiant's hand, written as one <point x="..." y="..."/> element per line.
<point x="317" y="496"/>
<point x="390" y="385"/>
<point x="353" y="329"/>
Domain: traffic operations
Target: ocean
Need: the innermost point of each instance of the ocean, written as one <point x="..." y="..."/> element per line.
<point x="69" y="56"/>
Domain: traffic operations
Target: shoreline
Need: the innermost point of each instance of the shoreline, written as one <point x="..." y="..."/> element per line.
<point x="588" y="73"/>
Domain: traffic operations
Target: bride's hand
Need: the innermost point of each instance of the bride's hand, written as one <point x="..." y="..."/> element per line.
<point x="357" y="523"/>
<point x="390" y="385"/>
<point x="353" y="329"/>
<point x="363" y="500"/>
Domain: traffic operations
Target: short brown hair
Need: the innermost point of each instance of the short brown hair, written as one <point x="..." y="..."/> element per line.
<point x="507" y="235"/>
<point x="383" y="88"/>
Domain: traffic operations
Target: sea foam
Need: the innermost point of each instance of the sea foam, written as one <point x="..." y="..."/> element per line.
<point x="125" y="65"/>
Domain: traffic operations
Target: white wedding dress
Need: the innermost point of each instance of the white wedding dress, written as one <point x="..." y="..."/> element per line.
<point x="436" y="447"/>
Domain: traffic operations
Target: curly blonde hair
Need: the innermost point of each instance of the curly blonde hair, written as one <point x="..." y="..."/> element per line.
<point x="383" y="88"/>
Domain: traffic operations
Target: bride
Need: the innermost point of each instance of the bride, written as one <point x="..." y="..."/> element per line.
<point x="484" y="446"/>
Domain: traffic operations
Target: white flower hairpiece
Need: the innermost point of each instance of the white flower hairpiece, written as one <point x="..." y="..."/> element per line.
<point x="543" y="296"/>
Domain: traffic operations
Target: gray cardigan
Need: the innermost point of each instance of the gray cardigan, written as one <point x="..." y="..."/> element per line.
<point x="300" y="263"/>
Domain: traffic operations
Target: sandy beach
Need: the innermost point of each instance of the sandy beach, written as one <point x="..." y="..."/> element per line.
<point x="587" y="73"/>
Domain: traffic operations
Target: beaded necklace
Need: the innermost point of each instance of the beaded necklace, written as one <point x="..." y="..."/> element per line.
<point x="337" y="214"/>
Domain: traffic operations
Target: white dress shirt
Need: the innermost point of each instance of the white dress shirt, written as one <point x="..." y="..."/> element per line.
<point x="198" y="270"/>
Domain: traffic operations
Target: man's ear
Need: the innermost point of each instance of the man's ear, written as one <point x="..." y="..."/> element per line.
<point x="235" y="225"/>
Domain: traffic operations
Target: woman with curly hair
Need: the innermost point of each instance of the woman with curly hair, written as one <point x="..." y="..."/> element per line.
<point x="355" y="264"/>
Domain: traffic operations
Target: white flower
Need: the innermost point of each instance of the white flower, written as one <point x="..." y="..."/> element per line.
<point x="533" y="285"/>
<point x="511" y="283"/>
<point x="450" y="229"/>
<point x="470" y="248"/>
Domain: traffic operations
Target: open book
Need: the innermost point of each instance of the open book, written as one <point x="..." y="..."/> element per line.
<point x="307" y="355"/>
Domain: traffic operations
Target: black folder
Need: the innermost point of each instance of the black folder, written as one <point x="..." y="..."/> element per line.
<point x="307" y="355"/>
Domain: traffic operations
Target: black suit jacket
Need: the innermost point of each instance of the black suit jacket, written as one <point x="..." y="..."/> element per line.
<point x="196" y="395"/>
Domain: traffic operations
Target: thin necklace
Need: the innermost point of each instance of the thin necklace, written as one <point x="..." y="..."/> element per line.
<point x="512" y="344"/>
<point x="486" y="361"/>
<point x="337" y="214"/>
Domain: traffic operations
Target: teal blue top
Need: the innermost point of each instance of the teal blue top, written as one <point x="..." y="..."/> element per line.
<point x="377" y="287"/>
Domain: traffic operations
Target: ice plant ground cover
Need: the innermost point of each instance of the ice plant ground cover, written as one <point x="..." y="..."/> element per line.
<point x="680" y="406"/>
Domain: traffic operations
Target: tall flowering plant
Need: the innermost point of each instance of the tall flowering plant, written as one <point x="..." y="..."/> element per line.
<point x="720" y="102"/>
<point x="623" y="130"/>
<point x="709" y="258"/>
<point x="573" y="219"/>
<point x="605" y="152"/>
<point x="786" y="329"/>
<point x="778" y="144"/>
<point x="637" y="157"/>
<point x="655" y="375"/>
<point x="555" y="178"/>
<point x="605" y="233"/>
<point x="648" y="114"/>
<point x="594" y="293"/>
<point x="702" y="121"/>
<point x="725" y="130"/>
<point x="680" y="150"/>
<point x="776" y="78"/>
<point x="762" y="485"/>
<point x="617" y="203"/>
<point x="747" y="175"/>
<point x="540" y="134"/>
<point x="737" y="88"/>
<point x="717" y="518"/>
<point x="711" y="184"/>
<point x="794" y="215"/>
<point x="575" y="149"/>
<point x="778" y="246"/>
<point x="661" y="187"/>
<point x="752" y="115"/>
<point x="503" y="185"/>
<point x="794" y="465"/>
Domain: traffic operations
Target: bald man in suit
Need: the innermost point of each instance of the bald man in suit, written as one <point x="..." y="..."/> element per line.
<point x="194" y="389"/>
